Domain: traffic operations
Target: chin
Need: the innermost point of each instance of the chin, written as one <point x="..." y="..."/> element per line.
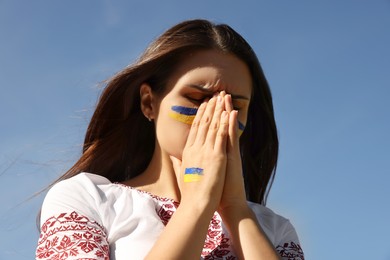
<point x="177" y="155"/>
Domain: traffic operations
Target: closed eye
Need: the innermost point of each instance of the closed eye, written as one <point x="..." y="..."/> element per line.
<point x="238" y="104"/>
<point x="197" y="99"/>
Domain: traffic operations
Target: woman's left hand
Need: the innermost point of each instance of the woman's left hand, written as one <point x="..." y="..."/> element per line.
<point x="233" y="195"/>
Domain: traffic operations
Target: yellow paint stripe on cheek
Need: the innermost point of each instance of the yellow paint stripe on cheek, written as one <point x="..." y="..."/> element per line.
<point x="241" y="128"/>
<point x="187" y="115"/>
<point x="183" y="114"/>
<point x="182" y="118"/>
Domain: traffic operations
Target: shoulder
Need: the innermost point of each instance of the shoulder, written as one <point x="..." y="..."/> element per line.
<point x="84" y="186"/>
<point x="280" y="232"/>
<point x="95" y="197"/>
<point x="83" y="183"/>
<point x="278" y="228"/>
<point x="269" y="217"/>
<point x="81" y="180"/>
<point x="84" y="193"/>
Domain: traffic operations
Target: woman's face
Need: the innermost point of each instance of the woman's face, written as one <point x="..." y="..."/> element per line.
<point x="200" y="76"/>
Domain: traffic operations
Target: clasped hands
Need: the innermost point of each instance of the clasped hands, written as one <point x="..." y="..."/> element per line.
<point x="212" y="148"/>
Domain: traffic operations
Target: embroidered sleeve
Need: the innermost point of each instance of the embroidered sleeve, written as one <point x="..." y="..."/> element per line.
<point x="72" y="236"/>
<point x="290" y="251"/>
<point x="288" y="246"/>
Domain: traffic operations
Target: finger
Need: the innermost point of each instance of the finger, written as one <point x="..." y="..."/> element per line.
<point x="205" y="121"/>
<point x="228" y="103"/>
<point x="215" y="122"/>
<point x="223" y="130"/>
<point x="233" y="131"/>
<point x="222" y="94"/>
<point x="195" y="124"/>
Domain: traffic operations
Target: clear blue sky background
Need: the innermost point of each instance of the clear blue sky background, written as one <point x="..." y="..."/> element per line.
<point x="328" y="64"/>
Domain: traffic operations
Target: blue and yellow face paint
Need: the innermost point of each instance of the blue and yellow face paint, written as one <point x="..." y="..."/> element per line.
<point x="183" y="114"/>
<point x="193" y="174"/>
<point x="187" y="115"/>
<point x="241" y="128"/>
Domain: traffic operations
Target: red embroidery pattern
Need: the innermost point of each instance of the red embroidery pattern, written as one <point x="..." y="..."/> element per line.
<point x="70" y="236"/>
<point x="168" y="207"/>
<point x="217" y="244"/>
<point x="290" y="251"/>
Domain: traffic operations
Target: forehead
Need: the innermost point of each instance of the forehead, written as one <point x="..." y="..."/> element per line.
<point x="214" y="71"/>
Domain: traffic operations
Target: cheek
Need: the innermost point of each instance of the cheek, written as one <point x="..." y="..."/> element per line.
<point x="182" y="120"/>
<point x="174" y="139"/>
<point x="242" y="119"/>
<point x="172" y="129"/>
<point x="241" y="128"/>
<point x="186" y="115"/>
<point x="183" y="114"/>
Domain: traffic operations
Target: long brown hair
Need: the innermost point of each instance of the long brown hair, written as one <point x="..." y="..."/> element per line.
<point x="119" y="142"/>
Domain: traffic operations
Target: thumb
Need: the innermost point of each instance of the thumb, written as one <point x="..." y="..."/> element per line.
<point x="176" y="164"/>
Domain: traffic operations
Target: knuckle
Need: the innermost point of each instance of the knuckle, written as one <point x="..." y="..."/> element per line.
<point x="195" y="123"/>
<point x="219" y="109"/>
<point x="206" y="120"/>
<point x="224" y="123"/>
<point x="214" y="126"/>
<point x="201" y="109"/>
<point x="222" y="133"/>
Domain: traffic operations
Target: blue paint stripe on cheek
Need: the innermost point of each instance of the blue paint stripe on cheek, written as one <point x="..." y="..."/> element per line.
<point x="189" y="111"/>
<point x="241" y="126"/>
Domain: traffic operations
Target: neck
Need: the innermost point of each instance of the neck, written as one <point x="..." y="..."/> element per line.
<point x="159" y="177"/>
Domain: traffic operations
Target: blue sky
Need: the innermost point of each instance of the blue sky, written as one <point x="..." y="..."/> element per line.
<point x="328" y="64"/>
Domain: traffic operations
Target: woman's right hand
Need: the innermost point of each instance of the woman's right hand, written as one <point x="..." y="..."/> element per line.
<point x="205" y="151"/>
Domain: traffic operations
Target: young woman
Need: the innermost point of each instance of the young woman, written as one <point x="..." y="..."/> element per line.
<point x="177" y="160"/>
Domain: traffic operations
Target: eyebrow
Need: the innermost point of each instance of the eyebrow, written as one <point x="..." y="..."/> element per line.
<point x="205" y="90"/>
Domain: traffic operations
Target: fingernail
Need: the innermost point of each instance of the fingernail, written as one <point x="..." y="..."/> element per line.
<point x="219" y="99"/>
<point x="229" y="98"/>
